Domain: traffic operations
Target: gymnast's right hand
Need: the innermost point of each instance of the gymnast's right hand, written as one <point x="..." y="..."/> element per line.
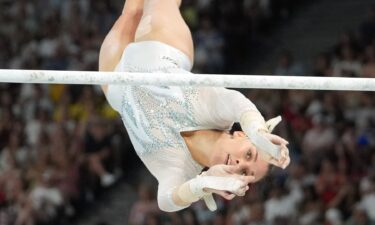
<point x="224" y="180"/>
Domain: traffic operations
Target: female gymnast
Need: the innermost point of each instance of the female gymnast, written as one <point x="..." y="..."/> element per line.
<point x="178" y="131"/>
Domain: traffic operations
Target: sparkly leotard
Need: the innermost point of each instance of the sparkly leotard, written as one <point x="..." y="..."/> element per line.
<point x="155" y="116"/>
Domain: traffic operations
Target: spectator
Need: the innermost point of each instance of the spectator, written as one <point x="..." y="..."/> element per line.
<point x="145" y="206"/>
<point x="348" y="63"/>
<point x="314" y="146"/>
<point x="322" y="65"/>
<point x="98" y="149"/>
<point x="333" y="217"/>
<point x="281" y="204"/>
<point x="14" y="154"/>
<point x="331" y="186"/>
<point x="368" y="69"/>
<point x="209" y="48"/>
<point x="310" y="209"/>
<point x="189" y="217"/>
<point x="46" y="198"/>
<point x="239" y="212"/>
<point x="368" y="196"/>
<point x="287" y="65"/>
<point x="359" y="217"/>
<point x="257" y="216"/>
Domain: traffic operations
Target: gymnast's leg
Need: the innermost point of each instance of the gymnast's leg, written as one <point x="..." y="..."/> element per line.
<point x="162" y="21"/>
<point x="121" y="34"/>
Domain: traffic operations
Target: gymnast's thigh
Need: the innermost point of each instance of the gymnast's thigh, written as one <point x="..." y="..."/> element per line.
<point x="162" y="21"/>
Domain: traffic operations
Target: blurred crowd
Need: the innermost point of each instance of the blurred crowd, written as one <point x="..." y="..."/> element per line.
<point x="61" y="146"/>
<point x="57" y="152"/>
<point x="226" y="33"/>
<point x="66" y="35"/>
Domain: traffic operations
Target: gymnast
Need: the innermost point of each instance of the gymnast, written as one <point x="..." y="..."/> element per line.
<point x="179" y="131"/>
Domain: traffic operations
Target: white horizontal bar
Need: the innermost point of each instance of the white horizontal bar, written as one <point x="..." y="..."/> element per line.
<point x="171" y="79"/>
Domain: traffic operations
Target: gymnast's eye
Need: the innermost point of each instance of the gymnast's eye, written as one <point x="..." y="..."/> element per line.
<point x="249" y="154"/>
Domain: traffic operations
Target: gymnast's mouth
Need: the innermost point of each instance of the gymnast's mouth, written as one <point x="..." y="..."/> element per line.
<point x="227" y="161"/>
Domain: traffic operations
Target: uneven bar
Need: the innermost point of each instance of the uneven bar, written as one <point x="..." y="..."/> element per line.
<point x="172" y="79"/>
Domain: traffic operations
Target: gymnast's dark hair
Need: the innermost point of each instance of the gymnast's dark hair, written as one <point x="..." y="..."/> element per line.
<point x="235" y="127"/>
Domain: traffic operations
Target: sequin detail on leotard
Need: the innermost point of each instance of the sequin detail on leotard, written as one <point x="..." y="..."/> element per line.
<point x="155" y="116"/>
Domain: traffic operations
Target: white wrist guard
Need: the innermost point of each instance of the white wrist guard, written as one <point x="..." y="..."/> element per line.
<point x="253" y="124"/>
<point x="252" y="120"/>
<point x="195" y="189"/>
<point x="264" y="145"/>
<point x="229" y="184"/>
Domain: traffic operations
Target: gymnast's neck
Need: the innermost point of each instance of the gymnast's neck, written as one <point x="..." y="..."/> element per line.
<point x="201" y="144"/>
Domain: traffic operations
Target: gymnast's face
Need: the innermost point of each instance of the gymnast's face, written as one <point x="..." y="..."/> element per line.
<point x="237" y="149"/>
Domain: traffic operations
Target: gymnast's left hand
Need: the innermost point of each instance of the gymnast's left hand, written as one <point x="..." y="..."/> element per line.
<point x="281" y="143"/>
<point x="271" y="148"/>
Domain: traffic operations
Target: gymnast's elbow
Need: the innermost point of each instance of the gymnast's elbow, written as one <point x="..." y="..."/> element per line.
<point x="166" y="208"/>
<point x="163" y="206"/>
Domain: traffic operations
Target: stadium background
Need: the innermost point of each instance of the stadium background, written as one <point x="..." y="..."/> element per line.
<point x="53" y="138"/>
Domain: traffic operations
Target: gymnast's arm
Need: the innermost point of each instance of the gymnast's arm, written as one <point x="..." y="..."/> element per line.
<point x="224" y="106"/>
<point x="174" y="193"/>
<point x="121" y="34"/>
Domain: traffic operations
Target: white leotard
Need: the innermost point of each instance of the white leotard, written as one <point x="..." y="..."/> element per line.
<point x="155" y="116"/>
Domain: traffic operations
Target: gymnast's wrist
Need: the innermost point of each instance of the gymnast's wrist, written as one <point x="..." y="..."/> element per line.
<point x="192" y="191"/>
<point x="197" y="186"/>
<point x="251" y="121"/>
